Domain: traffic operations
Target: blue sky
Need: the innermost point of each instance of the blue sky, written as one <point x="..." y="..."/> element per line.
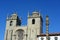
<point x="46" y="7"/>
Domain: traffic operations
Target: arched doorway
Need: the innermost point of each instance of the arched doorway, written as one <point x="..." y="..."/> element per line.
<point x="19" y="34"/>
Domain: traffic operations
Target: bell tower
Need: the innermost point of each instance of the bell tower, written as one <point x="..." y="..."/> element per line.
<point x="35" y="23"/>
<point x="11" y="22"/>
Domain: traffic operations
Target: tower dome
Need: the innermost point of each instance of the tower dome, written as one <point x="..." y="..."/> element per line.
<point x="35" y="14"/>
<point x="14" y="16"/>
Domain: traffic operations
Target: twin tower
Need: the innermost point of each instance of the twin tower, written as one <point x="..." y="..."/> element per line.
<point x="16" y="31"/>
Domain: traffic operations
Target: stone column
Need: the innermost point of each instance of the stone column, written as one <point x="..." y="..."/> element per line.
<point x="47" y="31"/>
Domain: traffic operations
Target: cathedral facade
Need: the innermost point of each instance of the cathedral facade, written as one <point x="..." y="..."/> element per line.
<point x="16" y="31"/>
<point x="32" y="31"/>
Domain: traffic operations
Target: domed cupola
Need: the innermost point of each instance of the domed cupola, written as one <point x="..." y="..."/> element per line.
<point x="35" y="14"/>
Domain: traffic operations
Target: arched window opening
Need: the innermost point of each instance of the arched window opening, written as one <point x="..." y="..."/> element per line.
<point x="20" y="34"/>
<point x="11" y="23"/>
<point x="33" y="21"/>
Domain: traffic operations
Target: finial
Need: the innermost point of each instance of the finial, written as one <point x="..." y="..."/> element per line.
<point x="39" y="13"/>
<point x="28" y="13"/>
<point x="7" y="16"/>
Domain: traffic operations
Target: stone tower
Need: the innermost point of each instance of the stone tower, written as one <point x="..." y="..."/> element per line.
<point x="34" y="25"/>
<point x="11" y="22"/>
<point x="16" y="31"/>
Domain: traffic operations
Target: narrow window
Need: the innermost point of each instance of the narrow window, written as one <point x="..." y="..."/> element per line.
<point x="33" y="21"/>
<point x="56" y="38"/>
<point x="11" y="23"/>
